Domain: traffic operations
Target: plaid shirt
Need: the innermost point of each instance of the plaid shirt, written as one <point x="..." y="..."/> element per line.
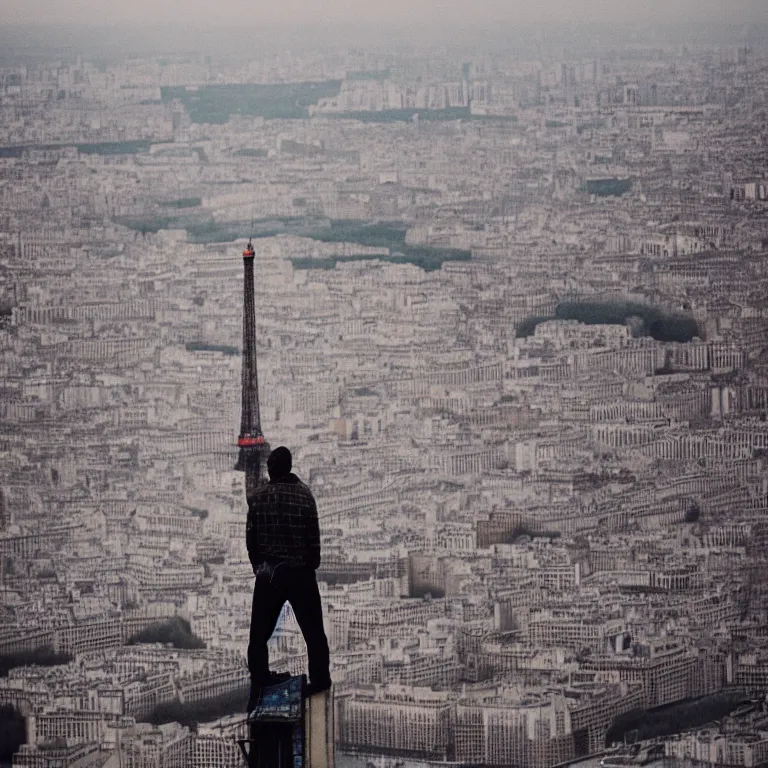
<point x="282" y="525"/>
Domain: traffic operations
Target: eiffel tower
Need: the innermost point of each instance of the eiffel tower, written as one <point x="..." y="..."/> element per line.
<point x="253" y="448"/>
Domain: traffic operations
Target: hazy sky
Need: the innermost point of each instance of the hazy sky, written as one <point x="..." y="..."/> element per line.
<point x="472" y="12"/>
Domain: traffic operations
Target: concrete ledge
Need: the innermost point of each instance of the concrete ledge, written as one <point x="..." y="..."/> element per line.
<point x="319" y="731"/>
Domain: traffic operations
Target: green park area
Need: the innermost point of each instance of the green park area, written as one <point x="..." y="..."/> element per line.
<point x="249" y="152"/>
<point x="114" y="147"/>
<point x="202" y="346"/>
<point x="642" y="724"/>
<point x="183" y="202"/>
<point x="590" y="125"/>
<point x="132" y="147"/>
<point x="429" y="259"/>
<point x="202" y="228"/>
<point x="186" y="218"/>
<point x="12" y="728"/>
<point x="189" y="713"/>
<point x="382" y="235"/>
<point x="175" y="631"/>
<point x="607" y="187"/>
<point x="403" y="115"/>
<point x="412" y="113"/>
<point x="12" y="732"/>
<point x="662" y="326"/>
<point x="215" y="104"/>
<point x="211" y="231"/>
<point x="43" y="657"/>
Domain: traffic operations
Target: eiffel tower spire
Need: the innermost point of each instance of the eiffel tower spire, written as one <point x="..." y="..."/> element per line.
<point x="253" y="448"/>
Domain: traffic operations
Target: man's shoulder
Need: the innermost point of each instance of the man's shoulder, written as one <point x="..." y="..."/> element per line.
<point x="296" y="489"/>
<point x="300" y="487"/>
<point x="275" y="491"/>
<point x="263" y="494"/>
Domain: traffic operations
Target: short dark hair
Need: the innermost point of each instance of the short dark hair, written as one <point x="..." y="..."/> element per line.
<point x="279" y="463"/>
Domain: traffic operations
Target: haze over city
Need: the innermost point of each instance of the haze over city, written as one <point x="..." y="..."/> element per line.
<point x="393" y="12"/>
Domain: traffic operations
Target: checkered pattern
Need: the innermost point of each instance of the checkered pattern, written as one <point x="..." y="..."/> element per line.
<point x="282" y="525"/>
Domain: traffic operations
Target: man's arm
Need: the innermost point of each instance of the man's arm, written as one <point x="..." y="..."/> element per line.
<point x="313" y="533"/>
<point x="251" y="540"/>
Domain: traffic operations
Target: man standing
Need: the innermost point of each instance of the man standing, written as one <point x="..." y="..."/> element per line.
<point x="283" y="539"/>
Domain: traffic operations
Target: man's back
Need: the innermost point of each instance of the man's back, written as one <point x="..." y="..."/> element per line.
<point x="282" y="524"/>
<point x="282" y="530"/>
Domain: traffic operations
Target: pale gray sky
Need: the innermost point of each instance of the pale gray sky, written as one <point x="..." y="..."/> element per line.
<point x="472" y="12"/>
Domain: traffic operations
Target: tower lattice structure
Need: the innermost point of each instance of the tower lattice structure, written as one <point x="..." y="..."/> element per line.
<point x="253" y="447"/>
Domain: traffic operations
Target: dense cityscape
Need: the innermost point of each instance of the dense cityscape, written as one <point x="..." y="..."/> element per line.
<point x="512" y="322"/>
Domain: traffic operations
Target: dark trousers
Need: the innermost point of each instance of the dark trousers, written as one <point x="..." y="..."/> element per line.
<point x="299" y="587"/>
